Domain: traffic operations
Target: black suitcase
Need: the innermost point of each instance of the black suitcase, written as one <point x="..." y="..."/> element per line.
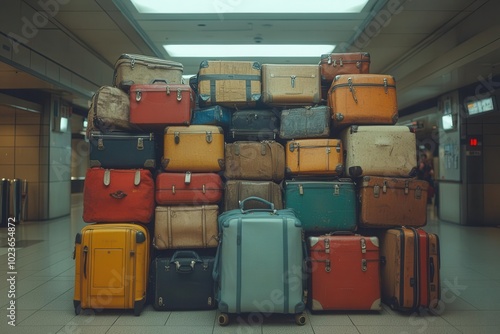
<point x="254" y="125"/>
<point x="122" y="150"/>
<point x="306" y="122"/>
<point x="183" y="282"/>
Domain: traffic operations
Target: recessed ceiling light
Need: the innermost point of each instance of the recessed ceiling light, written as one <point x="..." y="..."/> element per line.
<point x="254" y="6"/>
<point x="247" y="50"/>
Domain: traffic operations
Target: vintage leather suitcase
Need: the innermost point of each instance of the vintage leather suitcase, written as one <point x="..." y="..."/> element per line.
<point x="122" y="150"/>
<point x="323" y="206"/>
<point x="237" y="190"/>
<point x="213" y="115"/>
<point x="290" y="85"/>
<point x="110" y="111"/>
<point x="183" y="281"/>
<point x="333" y="64"/>
<point x="157" y="105"/>
<point x="118" y="195"/>
<point x="229" y="83"/>
<point x="379" y="150"/>
<point x="256" y="125"/>
<point x="188" y="188"/>
<point x="363" y="99"/>
<point x="260" y="254"/>
<point x="344" y="273"/>
<point x="251" y="160"/>
<point x="388" y="201"/>
<point x="194" y="148"/>
<point x="183" y="226"/>
<point x="314" y="157"/>
<point x="410" y="269"/>
<point x="111" y="267"/>
<point x="305" y="122"/>
<point x="140" y="69"/>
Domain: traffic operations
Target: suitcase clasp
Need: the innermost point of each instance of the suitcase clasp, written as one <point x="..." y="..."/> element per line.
<point x="187" y="178"/>
<point x="327" y="266"/>
<point x="203" y="189"/>
<point x="327" y="245"/>
<point x="138" y="95"/>
<point x="407" y="187"/>
<point x="386" y="86"/>
<point x="167" y="88"/>
<point x="140" y="144"/>
<point x="292" y="78"/>
<point x="336" y="190"/>
<point x="364" y="265"/>
<point x="301" y="189"/>
<point x="376" y="191"/>
<point x="177" y="138"/>
<point x="179" y="94"/>
<point x="351" y="88"/>
<point x="384" y="187"/>
<point x="208" y="136"/>
<point x="418" y="192"/>
<point x="160" y="301"/>
<point x="173" y="189"/>
<point x="100" y="144"/>
<point x="330" y="60"/>
<point x="107" y="177"/>
<point x="363" y="245"/>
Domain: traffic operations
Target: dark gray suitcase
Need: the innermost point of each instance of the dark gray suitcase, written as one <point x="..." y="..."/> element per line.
<point x="307" y="122"/>
<point x="255" y="125"/>
<point x="122" y="150"/>
<point x="183" y="282"/>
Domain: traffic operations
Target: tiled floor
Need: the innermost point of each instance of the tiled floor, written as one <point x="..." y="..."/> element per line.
<point x="470" y="277"/>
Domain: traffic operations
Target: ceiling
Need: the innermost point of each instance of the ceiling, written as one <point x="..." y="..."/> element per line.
<point x="430" y="46"/>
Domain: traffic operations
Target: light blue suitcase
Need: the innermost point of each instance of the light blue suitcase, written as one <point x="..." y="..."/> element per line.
<point x="259" y="263"/>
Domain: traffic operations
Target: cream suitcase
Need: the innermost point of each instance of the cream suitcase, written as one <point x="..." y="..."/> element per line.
<point x="379" y="150"/>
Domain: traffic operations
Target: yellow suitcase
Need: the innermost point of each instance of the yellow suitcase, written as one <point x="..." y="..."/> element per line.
<point x="111" y="267"/>
<point x="322" y="157"/>
<point x="194" y="148"/>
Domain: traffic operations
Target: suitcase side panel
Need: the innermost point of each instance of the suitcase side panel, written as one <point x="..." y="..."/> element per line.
<point x="299" y="123"/>
<point x="314" y="157"/>
<point x="429" y="269"/>
<point x="237" y="190"/>
<point x="188" y="188"/>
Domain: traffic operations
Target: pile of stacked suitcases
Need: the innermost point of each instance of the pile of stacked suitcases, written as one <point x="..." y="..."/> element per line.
<point x="250" y="186"/>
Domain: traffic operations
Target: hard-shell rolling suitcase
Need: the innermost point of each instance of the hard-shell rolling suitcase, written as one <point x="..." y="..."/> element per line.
<point x="140" y="69"/>
<point x="333" y="64"/>
<point x="344" y="273"/>
<point x="194" y="148"/>
<point x="213" y="115"/>
<point x="314" y="157"/>
<point x="237" y="190"/>
<point x="290" y="85"/>
<point x="323" y="206"/>
<point x="229" y="83"/>
<point x="186" y="226"/>
<point x="110" y="111"/>
<point x="410" y="269"/>
<point x="157" y="105"/>
<point x="386" y="202"/>
<point x="118" y="195"/>
<point x="259" y="266"/>
<point x="251" y="160"/>
<point x="122" y="150"/>
<point x="306" y="122"/>
<point x="379" y="150"/>
<point x="183" y="281"/>
<point x="188" y="188"/>
<point x="111" y="267"/>
<point x="363" y="99"/>
<point x="257" y="125"/>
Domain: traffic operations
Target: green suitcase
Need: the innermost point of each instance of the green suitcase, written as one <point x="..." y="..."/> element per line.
<point x="323" y="206"/>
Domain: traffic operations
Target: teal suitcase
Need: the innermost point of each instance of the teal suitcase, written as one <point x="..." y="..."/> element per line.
<point x="259" y="263"/>
<point x="323" y="206"/>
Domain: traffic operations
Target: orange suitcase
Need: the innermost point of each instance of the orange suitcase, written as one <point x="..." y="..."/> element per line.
<point x="363" y="99"/>
<point x="345" y="272"/>
<point x="194" y="148"/>
<point x="111" y="267"/>
<point x="314" y="157"/>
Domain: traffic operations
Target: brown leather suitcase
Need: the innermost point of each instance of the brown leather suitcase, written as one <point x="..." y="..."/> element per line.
<point x="363" y="99"/>
<point x="193" y="226"/>
<point x="389" y="201"/>
<point x="237" y="190"/>
<point x="319" y="156"/>
<point x="249" y="160"/>
<point x="333" y="64"/>
<point x="290" y="85"/>
<point x="410" y="264"/>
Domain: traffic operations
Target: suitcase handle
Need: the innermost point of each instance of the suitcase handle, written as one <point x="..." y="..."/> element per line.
<point x="155" y="81"/>
<point x="254" y="198"/>
<point x="190" y="259"/>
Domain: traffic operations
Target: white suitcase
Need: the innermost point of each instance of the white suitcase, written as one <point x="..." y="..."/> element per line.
<point x="379" y="150"/>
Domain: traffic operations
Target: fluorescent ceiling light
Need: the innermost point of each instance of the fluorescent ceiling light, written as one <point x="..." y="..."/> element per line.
<point x="247" y="50"/>
<point x="253" y="6"/>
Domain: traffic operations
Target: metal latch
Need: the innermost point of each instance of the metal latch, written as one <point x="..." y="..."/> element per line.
<point x="327" y="149"/>
<point x="178" y="264"/>
<point x="301" y="189"/>
<point x="187" y="178"/>
<point x="107" y="177"/>
<point x="292" y="78"/>
<point x="327" y="245"/>
<point x="160" y="301"/>
<point x="337" y="148"/>
<point x="263" y="148"/>
<point x="100" y="144"/>
<point x="293" y="146"/>
<point x="418" y="192"/>
<point x="363" y="245"/>
<point x="140" y="144"/>
<point x="177" y="138"/>
<point x="173" y="189"/>
<point x="168" y="90"/>
<point x="336" y="190"/>
<point x="376" y="191"/>
<point x="364" y="265"/>
<point x="327" y="266"/>
<point x="179" y="94"/>
<point x="208" y="136"/>
<point x="137" y="178"/>
<point x="384" y="187"/>
<point x="138" y="95"/>
<point x="203" y="189"/>
<point x="329" y="59"/>
<point x="209" y="301"/>
<point x="407" y="187"/>
<point x="386" y="85"/>
<point x="351" y="88"/>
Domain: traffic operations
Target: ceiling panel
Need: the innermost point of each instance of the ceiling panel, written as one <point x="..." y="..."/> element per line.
<point x="85" y="20"/>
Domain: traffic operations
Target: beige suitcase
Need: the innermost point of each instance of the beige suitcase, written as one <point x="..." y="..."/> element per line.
<point x="291" y="85"/>
<point x="379" y="150"/>
<point x="193" y="226"/>
<point x="237" y="190"/>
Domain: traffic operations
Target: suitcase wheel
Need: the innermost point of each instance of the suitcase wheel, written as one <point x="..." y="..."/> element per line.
<point x="300" y="319"/>
<point x="137" y="310"/>
<point x="223" y="319"/>
<point x="78" y="307"/>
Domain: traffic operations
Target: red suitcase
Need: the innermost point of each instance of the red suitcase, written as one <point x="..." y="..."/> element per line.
<point x="188" y="188"/>
<point x="430" y="289"/>
<point x="157" y="105"/>
<point x="344" y="272"/>
<point x="118" y="195"/>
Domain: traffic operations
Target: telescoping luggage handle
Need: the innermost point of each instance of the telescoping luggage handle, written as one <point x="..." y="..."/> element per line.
<point x="254" y="198"/>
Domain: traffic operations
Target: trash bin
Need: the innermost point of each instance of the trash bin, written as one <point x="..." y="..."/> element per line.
<point x="4" y="201"/>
